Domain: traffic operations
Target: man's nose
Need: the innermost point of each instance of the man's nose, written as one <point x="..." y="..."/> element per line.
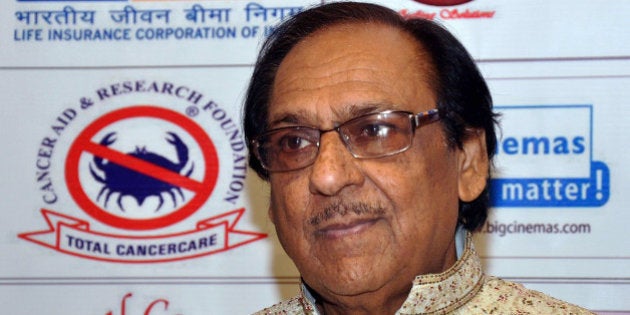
<point x="335" y="168"/>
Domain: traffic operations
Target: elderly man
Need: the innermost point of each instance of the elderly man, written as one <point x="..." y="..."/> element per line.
<point x="376" y="135"/>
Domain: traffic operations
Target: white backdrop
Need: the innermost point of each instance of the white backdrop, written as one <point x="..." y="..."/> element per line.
<point x="162" y="81"/>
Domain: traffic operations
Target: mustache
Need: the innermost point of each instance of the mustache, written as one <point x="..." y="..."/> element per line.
<point x="342" y="209"/>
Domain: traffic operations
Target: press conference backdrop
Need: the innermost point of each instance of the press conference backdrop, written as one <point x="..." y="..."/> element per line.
<point x="90" y="90"/>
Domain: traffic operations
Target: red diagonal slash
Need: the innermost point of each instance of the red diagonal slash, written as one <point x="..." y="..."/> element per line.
<point x="143" y="167"/>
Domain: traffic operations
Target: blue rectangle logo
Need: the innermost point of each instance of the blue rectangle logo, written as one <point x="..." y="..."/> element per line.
<point x="544" y="158"/>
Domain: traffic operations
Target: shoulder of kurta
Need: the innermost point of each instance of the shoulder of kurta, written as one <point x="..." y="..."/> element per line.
<point x="293" y="306"/>
<point x="498" y="296"/>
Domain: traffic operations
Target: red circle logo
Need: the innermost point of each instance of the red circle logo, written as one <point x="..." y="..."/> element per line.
<point x="152" y="168"/>
<point x="443" y="3"/>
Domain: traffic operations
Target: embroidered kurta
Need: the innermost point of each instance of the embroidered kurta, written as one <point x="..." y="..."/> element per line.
<point x="462" y="289"/>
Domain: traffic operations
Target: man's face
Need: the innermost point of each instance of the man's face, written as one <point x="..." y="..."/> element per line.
<point x="356" y="226"/>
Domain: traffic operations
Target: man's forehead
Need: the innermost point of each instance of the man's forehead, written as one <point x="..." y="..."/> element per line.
<point x="352" y="37"/>
<point x="344" y="71"/>
<point x="300" y="116"/>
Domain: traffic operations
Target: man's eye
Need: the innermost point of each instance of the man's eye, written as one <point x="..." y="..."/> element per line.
<point x="293" y="143"/>
<point x="375" y="130"/>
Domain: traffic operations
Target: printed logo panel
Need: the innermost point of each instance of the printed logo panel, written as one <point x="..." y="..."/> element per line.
<point x="142" y="177"/>
<point x="442" y="3"/>
<point x="544" y="158"/>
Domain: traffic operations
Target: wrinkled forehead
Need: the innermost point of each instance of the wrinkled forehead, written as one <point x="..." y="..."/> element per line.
<point x="339" y="71"/>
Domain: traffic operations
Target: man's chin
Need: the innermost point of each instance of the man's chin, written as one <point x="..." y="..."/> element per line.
<point x="348" y="276"/>
<point x="346" y="286"/>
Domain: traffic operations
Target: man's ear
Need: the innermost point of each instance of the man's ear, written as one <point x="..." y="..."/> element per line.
<point x="473" y="165"/>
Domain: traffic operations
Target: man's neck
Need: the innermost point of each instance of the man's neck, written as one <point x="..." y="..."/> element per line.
<point x="385" y="300"/>
<point x="366" y="304"/>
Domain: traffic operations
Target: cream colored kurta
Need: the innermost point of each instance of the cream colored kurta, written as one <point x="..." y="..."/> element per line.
<point x="462" y="289"/>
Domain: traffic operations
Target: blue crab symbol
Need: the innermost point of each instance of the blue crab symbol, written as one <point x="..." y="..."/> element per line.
<point x="127" y="182"/>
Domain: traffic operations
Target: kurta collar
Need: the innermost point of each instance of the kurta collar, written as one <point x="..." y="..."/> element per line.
<point x="444" y="292"/>
<point x="433" y="293"/>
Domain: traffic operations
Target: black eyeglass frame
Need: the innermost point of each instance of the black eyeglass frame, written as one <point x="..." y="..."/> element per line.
<point x="417" y="120"/>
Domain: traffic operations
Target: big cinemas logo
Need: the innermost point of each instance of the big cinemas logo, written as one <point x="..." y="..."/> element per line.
<point x="545" y="158"/>
<point x="131" y="182"/>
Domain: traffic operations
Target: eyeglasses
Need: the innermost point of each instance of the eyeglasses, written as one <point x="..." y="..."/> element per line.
<point x="366" y="137"/>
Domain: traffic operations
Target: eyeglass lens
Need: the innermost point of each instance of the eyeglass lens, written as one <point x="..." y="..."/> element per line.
<point x="370" y="136"/>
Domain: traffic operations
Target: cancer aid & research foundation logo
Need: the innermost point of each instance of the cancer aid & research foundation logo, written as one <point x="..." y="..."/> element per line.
<point x="545" y="159"/>
<point x="143" y="182"/>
